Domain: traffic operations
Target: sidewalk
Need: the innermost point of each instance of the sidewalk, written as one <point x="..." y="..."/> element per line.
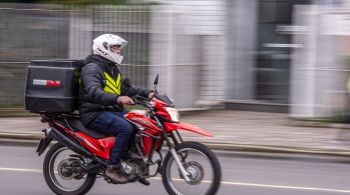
<point x="233" y="130"/>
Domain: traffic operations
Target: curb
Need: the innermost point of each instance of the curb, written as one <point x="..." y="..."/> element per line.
<point x="301" y="123"/>
<point x="18" y="142"/>
<point x="21" y="136"/>
<point x="31" y="139"/>
<point x="276" y="149"/>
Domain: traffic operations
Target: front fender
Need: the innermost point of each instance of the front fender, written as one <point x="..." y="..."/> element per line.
<point x="188" y="127"/>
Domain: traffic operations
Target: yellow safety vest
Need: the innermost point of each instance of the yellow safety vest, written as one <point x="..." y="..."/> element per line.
<point x="112" y="86"/>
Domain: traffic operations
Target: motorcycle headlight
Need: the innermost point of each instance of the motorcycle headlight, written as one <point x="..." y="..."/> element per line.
<point x="174" y="114"/>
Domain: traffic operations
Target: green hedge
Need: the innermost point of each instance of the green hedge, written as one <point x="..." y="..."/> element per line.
<point x="104" y="2"/>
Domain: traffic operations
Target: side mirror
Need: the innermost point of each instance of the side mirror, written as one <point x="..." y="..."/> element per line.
<point x="156" y="80"/>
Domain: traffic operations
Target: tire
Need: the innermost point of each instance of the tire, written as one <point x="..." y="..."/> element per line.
<point x="51" y="180"/>
<point x="184" y="149"/>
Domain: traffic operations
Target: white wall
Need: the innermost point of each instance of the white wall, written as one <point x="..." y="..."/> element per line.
<point x="241" y="46"/>
<point x="319" y="71"/>
<point x="188" y="47"/>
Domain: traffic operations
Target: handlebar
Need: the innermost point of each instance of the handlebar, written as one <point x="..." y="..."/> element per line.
<point x="139" y="100"/>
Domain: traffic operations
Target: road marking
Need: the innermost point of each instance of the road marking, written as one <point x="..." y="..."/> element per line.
<point x="285" y="187"/>
<point x="272" y="186"/>
<point x="20" y="170"/>
<point x="223" y="182"/>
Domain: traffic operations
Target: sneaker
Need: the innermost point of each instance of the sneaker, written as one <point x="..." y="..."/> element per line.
<point x="113" y="173"/>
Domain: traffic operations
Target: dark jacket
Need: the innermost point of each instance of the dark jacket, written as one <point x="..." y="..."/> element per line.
<point x="100" y="88"/>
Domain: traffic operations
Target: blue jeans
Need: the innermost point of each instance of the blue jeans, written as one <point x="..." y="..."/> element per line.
<point x="114" y="123"/>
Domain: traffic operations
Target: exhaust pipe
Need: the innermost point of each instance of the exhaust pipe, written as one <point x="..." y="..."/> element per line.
<point x="72" y="144"/>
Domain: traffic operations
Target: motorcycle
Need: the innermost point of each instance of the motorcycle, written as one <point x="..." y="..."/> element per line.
<point x="72" y="165"/>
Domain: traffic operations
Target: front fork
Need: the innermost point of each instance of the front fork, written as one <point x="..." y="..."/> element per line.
<point x="183" y="171"/>
<point x="172" y="150"/>
<point x="176" y="156"/>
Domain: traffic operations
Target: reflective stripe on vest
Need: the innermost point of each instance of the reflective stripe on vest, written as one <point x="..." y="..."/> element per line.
<point x="112" y="86"/>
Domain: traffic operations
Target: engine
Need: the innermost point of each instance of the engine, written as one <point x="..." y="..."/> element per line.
<point x="130" y="169"/>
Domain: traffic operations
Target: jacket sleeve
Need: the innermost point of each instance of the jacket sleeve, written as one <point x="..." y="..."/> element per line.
<point x="132" y="91"/>
<point x="92" y="79"/>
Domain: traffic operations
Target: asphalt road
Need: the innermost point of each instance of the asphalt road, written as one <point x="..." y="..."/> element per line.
<point x="20" y="173"/>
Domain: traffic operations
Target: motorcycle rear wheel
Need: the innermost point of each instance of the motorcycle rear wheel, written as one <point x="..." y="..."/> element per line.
<point x="203" y="165"/>
<point x="52" y="176"/>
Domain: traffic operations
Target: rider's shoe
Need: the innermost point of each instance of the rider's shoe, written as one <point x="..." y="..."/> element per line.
<point x="144" y="181"/>
<point x="115" y="174"/>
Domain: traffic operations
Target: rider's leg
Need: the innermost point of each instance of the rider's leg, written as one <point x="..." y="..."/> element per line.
<point x="123" y="131"/>
<point x="114" y="124"/>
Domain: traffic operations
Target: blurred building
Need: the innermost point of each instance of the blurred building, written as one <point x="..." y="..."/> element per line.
<point x="269" y="55"/>
<point x="258" y="57"/>
<point x="320" y="67"/>
<point x="245" y="50"/>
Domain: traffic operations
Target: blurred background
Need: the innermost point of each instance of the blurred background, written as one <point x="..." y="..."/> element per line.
<point x="289" y="56"/>
<point x="289" y="59"/>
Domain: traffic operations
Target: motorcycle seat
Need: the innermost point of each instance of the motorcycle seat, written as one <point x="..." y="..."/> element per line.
<point x="76" y="124"/>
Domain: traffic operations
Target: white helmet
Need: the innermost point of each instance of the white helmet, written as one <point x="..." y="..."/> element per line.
<point x="102" y="46"/>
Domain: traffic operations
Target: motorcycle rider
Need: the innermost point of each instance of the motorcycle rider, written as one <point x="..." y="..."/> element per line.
<point x="103" y="96"/>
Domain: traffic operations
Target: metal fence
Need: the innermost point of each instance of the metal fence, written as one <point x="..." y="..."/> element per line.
<point x="27" y="33"/>
<point x="183" y="44"/>
<point x="32" y="31"/>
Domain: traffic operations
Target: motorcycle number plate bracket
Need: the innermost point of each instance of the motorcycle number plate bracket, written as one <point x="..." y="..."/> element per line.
<point x="44" y="142"/>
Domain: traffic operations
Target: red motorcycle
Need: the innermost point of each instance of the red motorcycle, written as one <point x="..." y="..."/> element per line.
<point x="80" y="154"/>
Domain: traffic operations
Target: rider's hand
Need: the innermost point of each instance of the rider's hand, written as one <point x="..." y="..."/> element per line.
<point x="151" y="94"/>
<point x="125" y="100"/>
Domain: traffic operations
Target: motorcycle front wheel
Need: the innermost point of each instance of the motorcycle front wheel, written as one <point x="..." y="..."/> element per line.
<point x="63" y="174"/>
<point x="202" y="165"/>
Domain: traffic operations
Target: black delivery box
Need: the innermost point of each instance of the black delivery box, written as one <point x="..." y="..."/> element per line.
<point x="52" y="85"/>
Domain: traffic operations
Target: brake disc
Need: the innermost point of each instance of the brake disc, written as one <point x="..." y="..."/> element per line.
<point x="196" y="172"/>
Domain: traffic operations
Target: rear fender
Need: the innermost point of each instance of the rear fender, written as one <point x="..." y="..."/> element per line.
<point x="44" y="142"/>
<point x="187" y="127"/>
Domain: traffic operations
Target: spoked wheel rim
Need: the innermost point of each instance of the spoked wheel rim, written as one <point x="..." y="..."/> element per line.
<point x="63" y="171"/>
<point x="201" y="173"/>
